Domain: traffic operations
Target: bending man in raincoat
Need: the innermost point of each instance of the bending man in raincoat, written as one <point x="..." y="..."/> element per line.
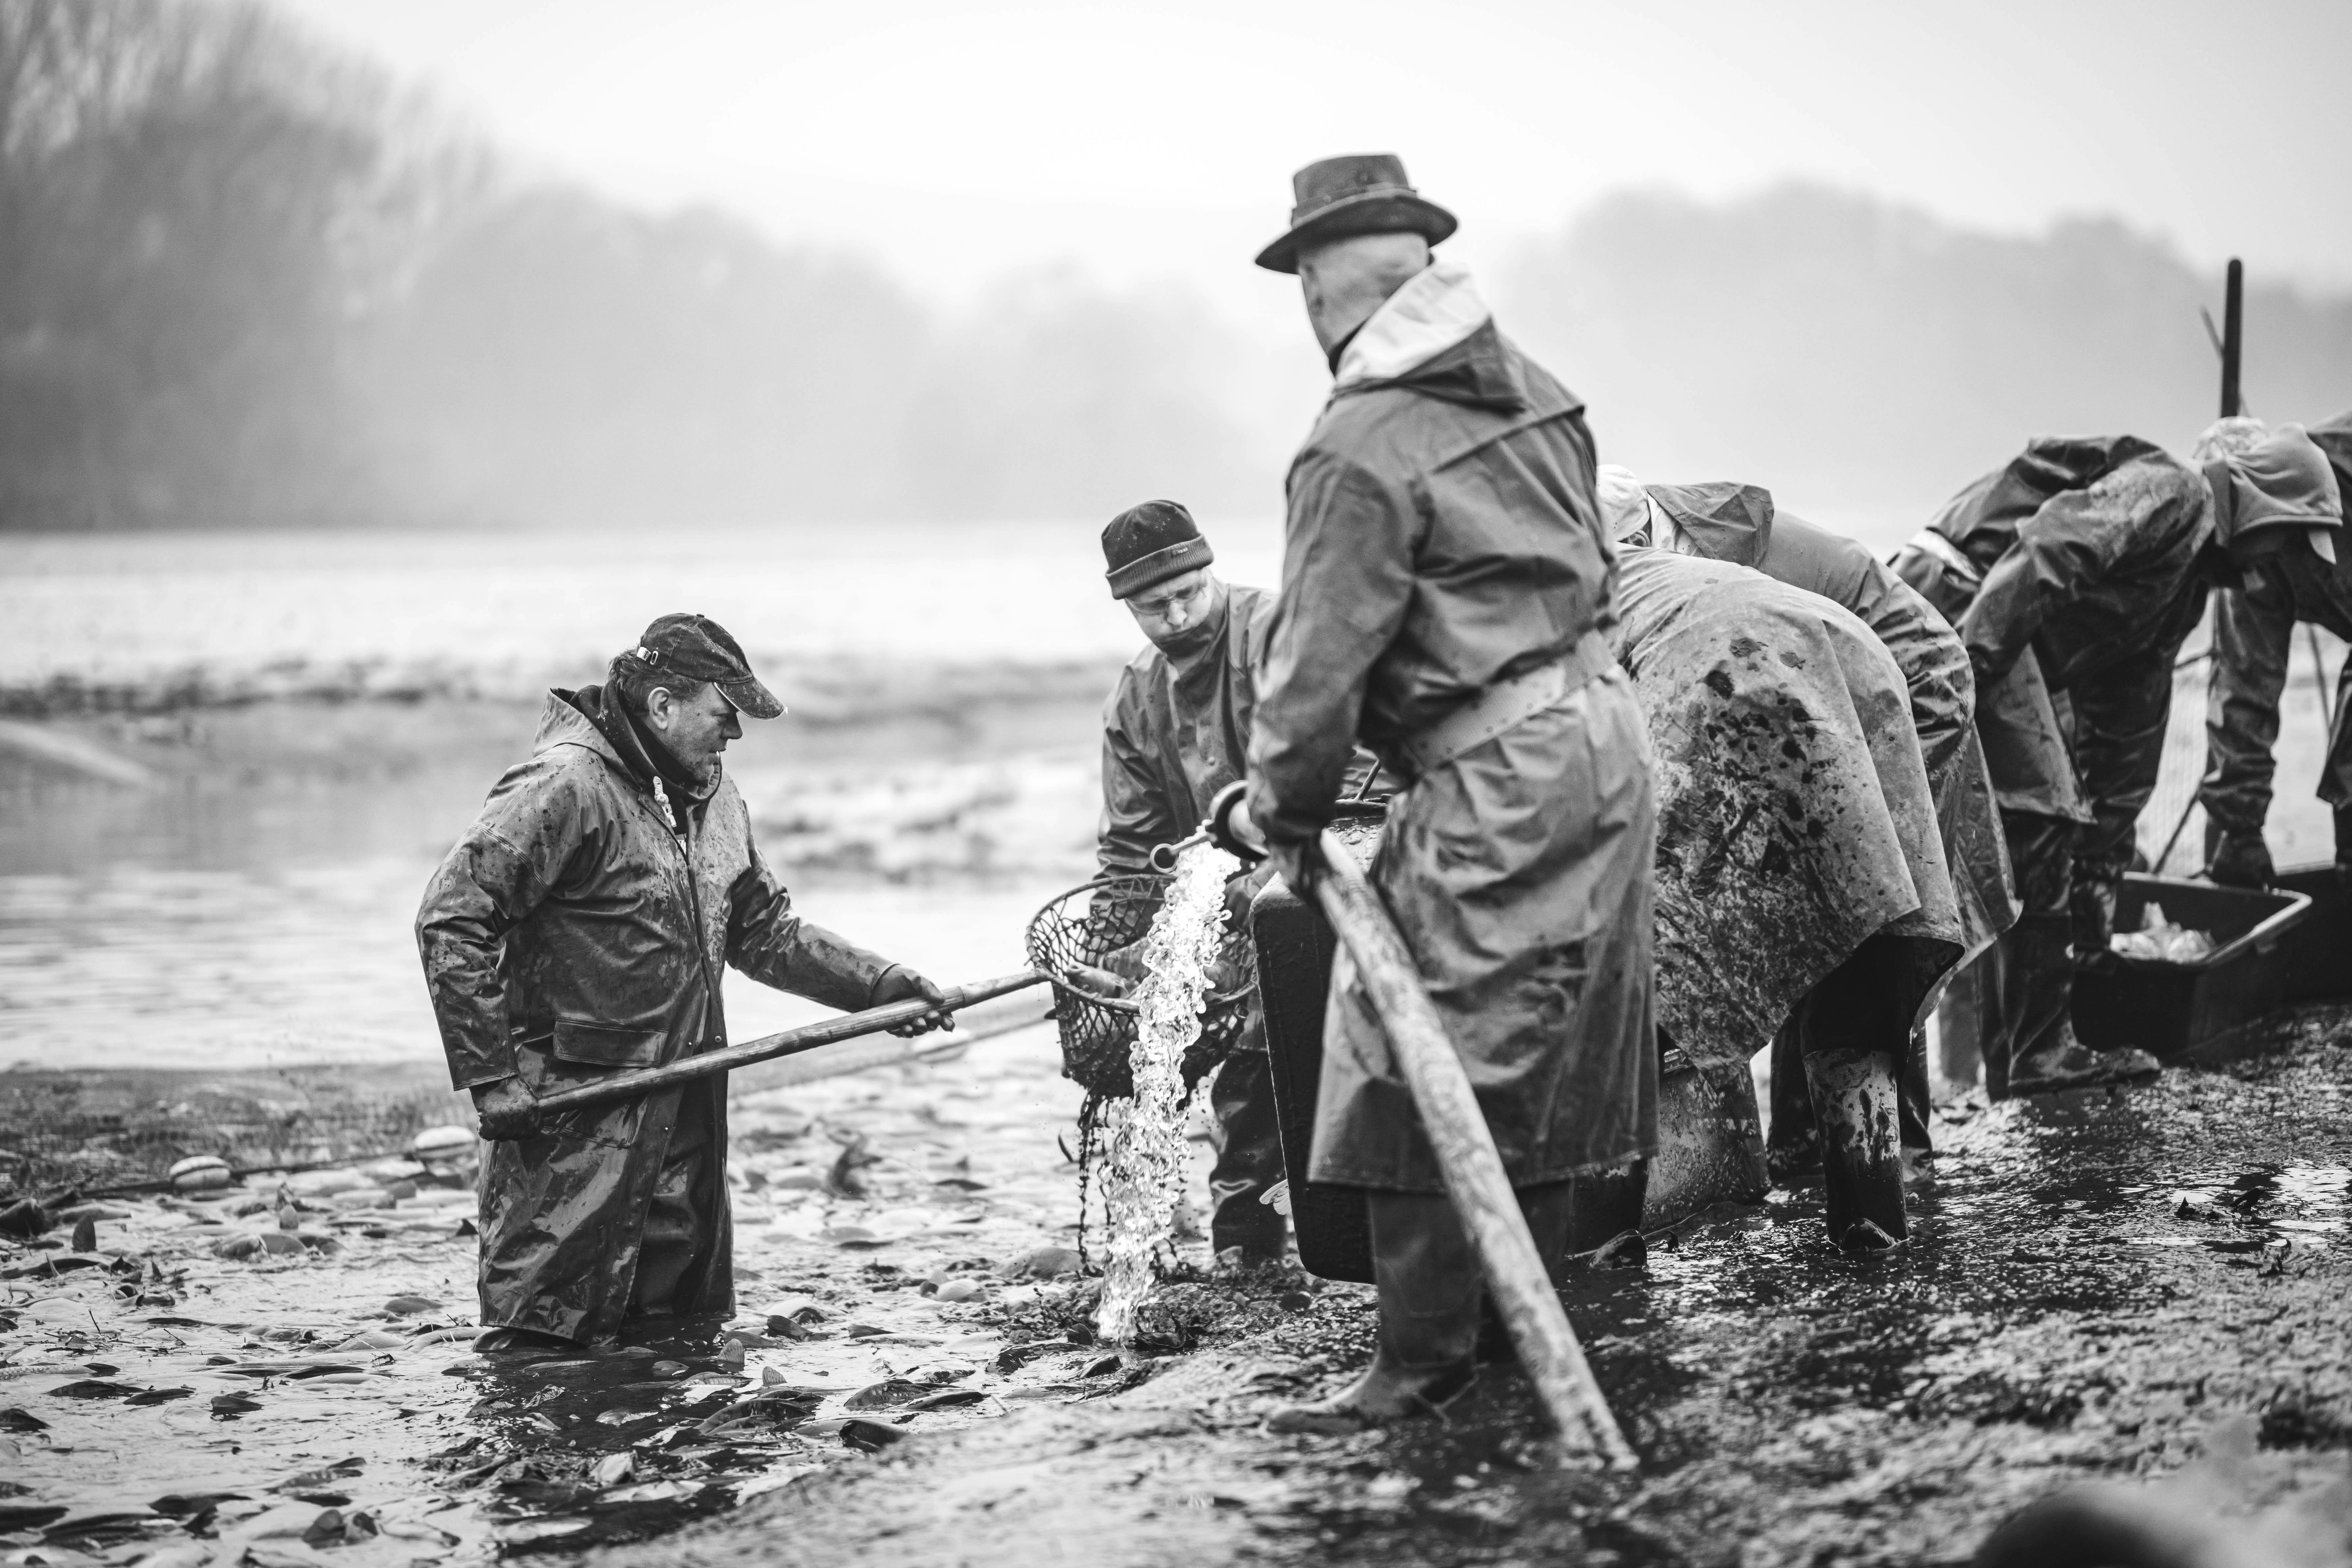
<point x="2254" y="636"/>
<point x="1176" y="732"/>
<point x="577" y="929"/>
<point x="1447" y="592"/>
<point x="1801" y="884"/>
<point x="2074" y="575"/>
<point x="1740" y="524"/>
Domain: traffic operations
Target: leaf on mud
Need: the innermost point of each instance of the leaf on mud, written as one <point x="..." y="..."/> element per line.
<point x="92" y="1388"/>
<point x="229" y="1406"/>
<point x="85" y="1234"/>
<point x="852" y="1235"/>
<point x="324" y="1476"/>
<point x="160" y="1395"/>
<point x="49" y="1267"/>
<point x="1041" y="1263"/>
<point x="409" y="1306"/>
<point x="16" y="1418"/>
<point x="888" y="1395"/>
<point x="649" y="1491"/>
<point x="614" y="1469"/>
<point x="181" y="1505"/>
<point x="534" y="1529"/>
<point x="29" y="1515"/>
<point x="280" y="1554"/>
<point x="870" y="1437"/>
<point x="415" y="1529"/>
<point x="947" y="1399"/>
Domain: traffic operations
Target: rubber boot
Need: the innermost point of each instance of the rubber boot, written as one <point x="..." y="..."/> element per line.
<point x="1855" y="1104"/>
<point x="2045" y="1055"/>
<point x="1248" y="1140"/>
<point x="1430" y="1290"/>
<point x="523" y="1342"/>
<point x="1793" y="1148"/>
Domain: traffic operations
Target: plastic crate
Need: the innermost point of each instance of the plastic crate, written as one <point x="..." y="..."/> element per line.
<point x="2171" y="1009"/>
<point x="2318" y="947"/>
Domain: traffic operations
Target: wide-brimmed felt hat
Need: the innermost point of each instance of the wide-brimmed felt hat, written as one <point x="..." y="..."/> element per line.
<point x="1358" y="193"/>
<point x="696" y="647"/>
<point x="1147" y="544"/>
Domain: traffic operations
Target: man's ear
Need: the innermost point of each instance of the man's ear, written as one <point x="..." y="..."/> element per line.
<point x="658" y="707"/>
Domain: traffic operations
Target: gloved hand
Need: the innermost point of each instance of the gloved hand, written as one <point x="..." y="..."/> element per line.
<point x="2239" y="861"/>
<point x="2092" y="903"/>
<point x="1299" y="865"/>
<point x="901" y="984"/>
<point x="1232" y="827"/>
<point x="508" y="1111"/>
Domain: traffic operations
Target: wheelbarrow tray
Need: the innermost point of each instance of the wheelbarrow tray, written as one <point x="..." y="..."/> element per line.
<point x="2318" y="947"/>
<point x="2171" y="1008"/>
<point x="1710" y="1144"/>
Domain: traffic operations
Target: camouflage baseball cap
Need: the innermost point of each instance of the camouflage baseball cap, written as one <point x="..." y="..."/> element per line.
<point x="696" y="647"/>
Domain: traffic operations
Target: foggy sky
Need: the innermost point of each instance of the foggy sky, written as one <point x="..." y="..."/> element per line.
<point x="956" y="141"/>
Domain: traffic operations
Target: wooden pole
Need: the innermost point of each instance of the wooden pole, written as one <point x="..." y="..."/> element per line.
<point x="848" y="1026"/>
<point x="2233" y="335"/>
<point x="1471" y="1165"/>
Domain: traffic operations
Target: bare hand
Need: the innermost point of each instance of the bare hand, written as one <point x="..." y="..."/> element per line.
<point x="901" y="984"/>
<point x="508" y="1111"/>
<point x="1101" y="981"/>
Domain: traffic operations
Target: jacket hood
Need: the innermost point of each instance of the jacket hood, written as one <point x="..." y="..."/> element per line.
<point x="2334" y="437"/>
<point x="1479" y="371"/>
<point x="1727" y="521"/>
<point x="564" y="722"/>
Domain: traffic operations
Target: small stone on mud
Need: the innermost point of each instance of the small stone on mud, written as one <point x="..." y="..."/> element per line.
<point x="408" y="1306"/>
<point x="1294" y="1300"/>
<point x="614" y="1469"/>
<point x="966" y="1289"/>
<point x="1042" y="1263"/>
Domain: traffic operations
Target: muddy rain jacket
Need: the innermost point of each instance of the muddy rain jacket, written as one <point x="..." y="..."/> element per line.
<point x="1740" y="523"/>
<point x="2253" y="634"/>
<point x="1795" y="818"/>
<point x="1443" y="535"/>
<point x="570" y="934"/>
<point x="2083" y="551"/>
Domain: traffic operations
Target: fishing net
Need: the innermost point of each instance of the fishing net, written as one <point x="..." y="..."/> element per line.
<point x="1102" y="925"/>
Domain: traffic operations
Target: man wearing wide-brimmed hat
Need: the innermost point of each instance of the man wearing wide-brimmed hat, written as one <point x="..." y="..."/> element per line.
<point x="1446" y="586"/>
<point x="577" y="929"/>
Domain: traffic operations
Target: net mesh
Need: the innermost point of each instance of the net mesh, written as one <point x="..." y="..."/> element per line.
<point x="1101" y="925"/>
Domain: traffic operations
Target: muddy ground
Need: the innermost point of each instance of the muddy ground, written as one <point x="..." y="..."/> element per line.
<point x="2148" y="1285"/>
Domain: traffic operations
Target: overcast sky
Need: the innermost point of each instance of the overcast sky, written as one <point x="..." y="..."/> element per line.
<point x="958" y="141"/>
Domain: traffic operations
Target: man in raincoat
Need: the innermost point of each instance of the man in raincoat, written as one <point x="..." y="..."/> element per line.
<point x="2074" y="573"/>
<point x="1447" y="592"/>
<point x="1742" y="524"/>
<point x="1801" y="884"/>
<point x="2254" y="636"/>
<point x="577" y="929"/>
<point x="1176" y="732"/>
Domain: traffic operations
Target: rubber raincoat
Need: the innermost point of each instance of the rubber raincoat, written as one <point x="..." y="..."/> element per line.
<point x="572" y="933"/>
<point x="1443" y="536"/>
<point x="1740" y="523"/>
<point x="2083" y="552"/>
<point x="2254" y="633"/>
<point x="1795" y="819"/>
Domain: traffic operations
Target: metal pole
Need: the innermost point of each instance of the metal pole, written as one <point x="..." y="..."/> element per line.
<point x="2233" y="331"/>
<point x="872" y="1021"/>
<point x="1469" y="1163"/>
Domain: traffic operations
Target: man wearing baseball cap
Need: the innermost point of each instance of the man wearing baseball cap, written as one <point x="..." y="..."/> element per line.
<point x="576" y="930"/>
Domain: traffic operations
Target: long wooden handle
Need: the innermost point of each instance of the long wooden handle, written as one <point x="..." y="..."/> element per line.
<point x="1469" y="1163"/>
<point x="848" y="1026"/>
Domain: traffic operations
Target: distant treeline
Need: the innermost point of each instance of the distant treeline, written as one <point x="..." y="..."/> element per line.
<point x="244" y="281"/>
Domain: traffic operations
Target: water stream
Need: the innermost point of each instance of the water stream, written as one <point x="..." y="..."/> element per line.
<point x="1143" y="1175"/>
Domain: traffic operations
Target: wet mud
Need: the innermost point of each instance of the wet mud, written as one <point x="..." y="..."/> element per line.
<point x="2146" y="1286"/>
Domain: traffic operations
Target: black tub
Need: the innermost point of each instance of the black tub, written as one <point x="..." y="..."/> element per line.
<point x="2172" y="1009"/>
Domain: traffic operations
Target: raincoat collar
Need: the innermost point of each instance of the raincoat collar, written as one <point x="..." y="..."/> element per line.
<point x="579" y="719"/>
<point x="1435" y="310"/>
